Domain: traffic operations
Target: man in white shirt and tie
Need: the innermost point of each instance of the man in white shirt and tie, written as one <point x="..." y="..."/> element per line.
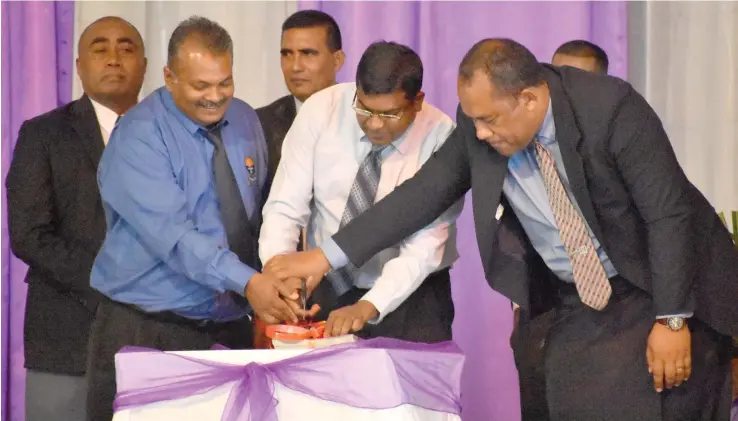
<point x="351" y="145"/>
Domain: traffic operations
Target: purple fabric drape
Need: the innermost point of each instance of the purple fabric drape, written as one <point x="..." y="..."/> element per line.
<point x="37" y="73"/>
<point x="442" y="32"/>
<point x="427" y="376"/>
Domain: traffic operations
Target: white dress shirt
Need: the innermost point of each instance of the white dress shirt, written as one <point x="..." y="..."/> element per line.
<point x="106" y="118"/>
<point x="321" y="155"/>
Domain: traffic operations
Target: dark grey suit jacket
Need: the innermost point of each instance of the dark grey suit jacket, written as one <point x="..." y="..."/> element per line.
<point x="659" y="231"/>
<point x="56" y="226"/>
<point x="276" y="119"/>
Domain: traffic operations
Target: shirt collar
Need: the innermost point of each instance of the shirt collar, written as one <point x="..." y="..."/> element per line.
<point x="190" y="125"/>
<point x="298" y="104"/>
<point x="106" y="117"/>
<point x="547" y="132"/>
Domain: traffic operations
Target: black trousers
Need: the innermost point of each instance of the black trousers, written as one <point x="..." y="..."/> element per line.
<point x="579" y="364"/>
<point x="426" y="316"/>
<point x="117" y="325"/>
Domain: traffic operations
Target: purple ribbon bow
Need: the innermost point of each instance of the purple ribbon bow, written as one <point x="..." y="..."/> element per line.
<point x="424" y="375"/>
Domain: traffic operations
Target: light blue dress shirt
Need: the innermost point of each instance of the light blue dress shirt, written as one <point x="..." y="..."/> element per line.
<point x="166" y="247"/>
<point x="526" y="194"/>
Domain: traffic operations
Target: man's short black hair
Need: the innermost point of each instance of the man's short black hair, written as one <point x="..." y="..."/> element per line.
<point x="509" y="65"/>
<point x="316" y="18"/>
<point x="581" y="48"/>
<point x="213" y="37"/>
<point x="386" y="67"/>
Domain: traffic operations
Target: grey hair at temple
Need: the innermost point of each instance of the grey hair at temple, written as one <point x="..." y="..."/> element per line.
<point x="509" y="65"/>
<point x="212" y="36"/>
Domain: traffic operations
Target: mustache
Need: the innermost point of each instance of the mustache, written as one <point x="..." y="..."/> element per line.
<point x="211" y="104"/>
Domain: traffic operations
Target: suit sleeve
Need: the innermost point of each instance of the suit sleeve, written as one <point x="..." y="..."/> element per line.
<point x="659" y="190"/>
<point x="32" y="217"/>
<point x="417" y="202"/>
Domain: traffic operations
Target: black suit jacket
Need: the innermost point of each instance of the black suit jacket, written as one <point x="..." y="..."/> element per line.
<point x="659" y="231"/>
<point x="56" y="226"/>
<point x="276" y="120"/>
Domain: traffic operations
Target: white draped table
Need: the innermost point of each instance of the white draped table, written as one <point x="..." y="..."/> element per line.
<point x="382" y="367"/>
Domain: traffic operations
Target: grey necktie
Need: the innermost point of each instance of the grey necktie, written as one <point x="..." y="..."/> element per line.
<point x="232" y="211"/>
<point x="361" y="198"/>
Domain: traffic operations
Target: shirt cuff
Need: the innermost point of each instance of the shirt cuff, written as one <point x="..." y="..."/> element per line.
<point x="379" y="303"/>
<point x="684" y="315"/>
<point x="235" y="274"/>
<point x="336" y="257"/>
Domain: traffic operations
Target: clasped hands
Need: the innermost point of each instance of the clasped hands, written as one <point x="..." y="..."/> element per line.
<point x="274" y="294"/>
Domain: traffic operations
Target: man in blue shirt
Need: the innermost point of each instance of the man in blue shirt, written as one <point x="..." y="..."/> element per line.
<point x="181" y="185"/>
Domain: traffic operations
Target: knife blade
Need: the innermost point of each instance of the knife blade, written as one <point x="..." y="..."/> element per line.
<point x="303" y="296"/>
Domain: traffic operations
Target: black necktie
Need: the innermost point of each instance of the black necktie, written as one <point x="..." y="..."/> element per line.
<point x="232" y="211"/>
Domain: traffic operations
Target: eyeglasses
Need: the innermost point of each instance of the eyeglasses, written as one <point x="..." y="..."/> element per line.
<point x="368" y="114"/>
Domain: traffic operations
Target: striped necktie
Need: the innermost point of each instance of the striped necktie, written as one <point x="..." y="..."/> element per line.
<point x="589" y="275"/>
<point x="361" y="198"/>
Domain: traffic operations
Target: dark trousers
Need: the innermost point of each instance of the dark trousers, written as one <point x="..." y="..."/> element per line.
<point x="576" y="364"/>
<point x="425" y="316"/>
<point x="117" y="325"/>
<point x="55" y="396"/>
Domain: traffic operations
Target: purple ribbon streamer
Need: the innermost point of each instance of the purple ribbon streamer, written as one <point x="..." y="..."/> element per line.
<point x="424" y="375"/>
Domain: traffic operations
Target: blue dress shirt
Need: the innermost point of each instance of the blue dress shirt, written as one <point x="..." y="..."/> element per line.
<point x="527" y="196"/>
<point x="166" y="247"/>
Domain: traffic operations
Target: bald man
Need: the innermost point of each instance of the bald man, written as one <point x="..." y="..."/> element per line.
<point x="56" y="218"/>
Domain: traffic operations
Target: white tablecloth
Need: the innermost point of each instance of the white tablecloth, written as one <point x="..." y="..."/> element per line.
<point x="292" y="406"/>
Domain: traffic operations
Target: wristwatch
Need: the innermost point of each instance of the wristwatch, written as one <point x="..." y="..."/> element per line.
<point x="674" y="324"/>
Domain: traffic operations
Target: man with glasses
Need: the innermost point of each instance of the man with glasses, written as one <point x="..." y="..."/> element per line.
<point x="351" y="145"/>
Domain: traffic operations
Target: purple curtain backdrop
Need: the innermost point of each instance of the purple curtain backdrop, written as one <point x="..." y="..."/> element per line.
<point x="37" y="71"/>
<point x="442" y="32"/>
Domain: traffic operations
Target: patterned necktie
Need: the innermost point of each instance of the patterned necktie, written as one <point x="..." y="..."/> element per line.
<point x="589" y="276"/>
<point x="361" y="198"/>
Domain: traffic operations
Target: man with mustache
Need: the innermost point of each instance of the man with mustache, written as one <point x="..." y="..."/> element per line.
<point x="181" y="185"/>
<point x="56" y="219"/>
<point x="626" y="277"/>
<point x="350" y="145"/>
<point x="311" y="56"/>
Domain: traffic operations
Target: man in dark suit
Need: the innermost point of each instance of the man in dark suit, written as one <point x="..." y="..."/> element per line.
<point x="626" y="277"/>
<point x="56" y="219"/>
<point x="311" y="57"/>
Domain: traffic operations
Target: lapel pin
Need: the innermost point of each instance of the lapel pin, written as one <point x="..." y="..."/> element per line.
<point x="251" y="169"/>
